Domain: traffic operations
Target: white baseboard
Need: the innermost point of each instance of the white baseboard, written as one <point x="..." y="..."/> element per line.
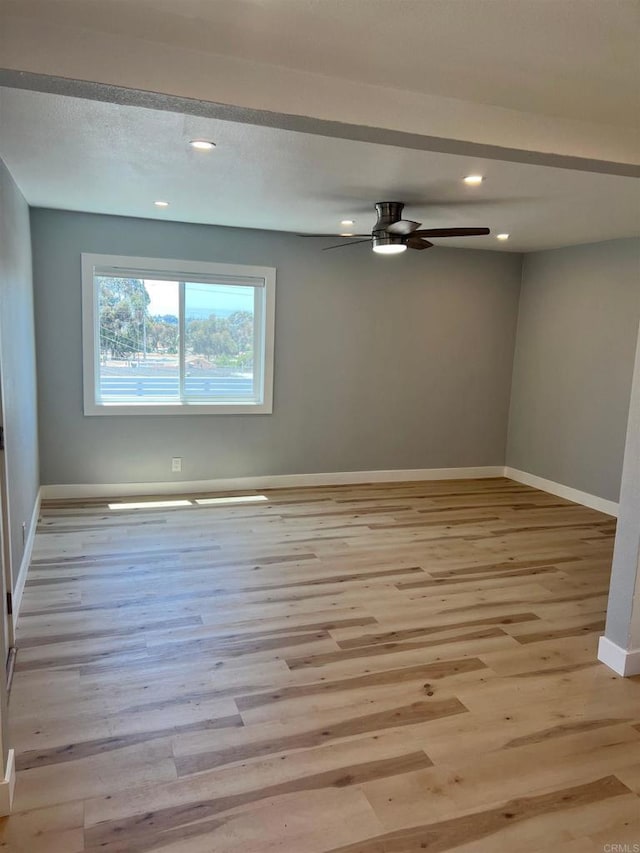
<point x="7" y="785"/>
<point x="623" y="661"/>
<point x="335" y="478"/>
<point x="26" y="559"/>
<point x="275" y="481"/>
<point x="570" y="494"/>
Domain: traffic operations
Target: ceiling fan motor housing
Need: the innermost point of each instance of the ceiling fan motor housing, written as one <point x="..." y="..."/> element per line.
<point x="388" y="213"/>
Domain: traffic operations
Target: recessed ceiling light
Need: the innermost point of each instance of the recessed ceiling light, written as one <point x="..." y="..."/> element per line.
<point x="161" y="203"/>
<point x="202" y="144"/>
<point x="502" y="236"/>
<point x="347" y="235"/>
<point x="347" y="222"/>
<point x="473" y="180"/>
<point x="390" y="248"/>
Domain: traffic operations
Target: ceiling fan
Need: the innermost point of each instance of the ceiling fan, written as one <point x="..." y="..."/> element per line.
<point x="392" y="234"/>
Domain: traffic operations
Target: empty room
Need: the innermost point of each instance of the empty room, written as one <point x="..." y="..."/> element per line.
<point x="320" y="426"/>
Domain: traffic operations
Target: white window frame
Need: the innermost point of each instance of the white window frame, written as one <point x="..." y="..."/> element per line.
<point x="189" y="270"/>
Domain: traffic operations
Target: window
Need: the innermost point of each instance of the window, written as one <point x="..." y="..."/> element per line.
<point x="176" y="337"/>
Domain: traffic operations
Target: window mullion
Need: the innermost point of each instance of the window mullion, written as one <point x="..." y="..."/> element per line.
<point x="181" y="339"/>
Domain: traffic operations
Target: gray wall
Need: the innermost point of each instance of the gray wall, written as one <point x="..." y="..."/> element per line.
<point x="17" y="361"/>
<point x="380" y="363"/>
<point x="577" y="330"/>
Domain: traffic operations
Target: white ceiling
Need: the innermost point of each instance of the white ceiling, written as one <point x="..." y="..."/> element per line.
<point x="571" y="58"/>
<point x="100" y="157"/>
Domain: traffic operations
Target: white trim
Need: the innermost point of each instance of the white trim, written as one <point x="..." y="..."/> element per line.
<point x="26" y="559"/>
<point x="625" y="662"/>
<point x="186" y="408"/>
<point x="90" y="331"/>
<point x="91" y="334"/>
<point x="562" y="491"/>
<point x="8" y="784"/>
<point x="128" y="264"/>
<point x="274" y="481"/>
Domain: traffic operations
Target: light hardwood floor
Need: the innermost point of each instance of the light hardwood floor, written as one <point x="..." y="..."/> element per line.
<point x="364" y="669"/>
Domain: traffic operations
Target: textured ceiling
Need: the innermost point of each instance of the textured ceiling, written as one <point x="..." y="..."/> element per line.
<point x="106" y="158"/>
<point x="570" y="58"/>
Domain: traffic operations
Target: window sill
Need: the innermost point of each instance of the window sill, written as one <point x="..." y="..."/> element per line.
<point x="205" y="408"/>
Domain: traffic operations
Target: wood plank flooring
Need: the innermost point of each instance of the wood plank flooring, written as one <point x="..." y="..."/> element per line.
<point x="363" y="669"/>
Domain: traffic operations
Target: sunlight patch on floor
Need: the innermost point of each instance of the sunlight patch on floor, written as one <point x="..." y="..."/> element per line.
<point x="237" y="499"/>
<point x="242" y="499"/>
<point x="149" y="504"/>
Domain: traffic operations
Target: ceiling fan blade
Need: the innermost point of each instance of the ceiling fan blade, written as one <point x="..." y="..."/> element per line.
<point x="350" y="243"/>
<point x="451" y="232"/>
<point x="402" y="227"/>
<point x="418" y="243"/>
<point x="334" y="235"/>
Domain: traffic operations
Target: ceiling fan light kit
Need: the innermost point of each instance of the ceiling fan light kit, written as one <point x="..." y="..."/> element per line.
<point x="384" y="241"/>
<point x="392" y="234"/>
<point x="388" y="244"/>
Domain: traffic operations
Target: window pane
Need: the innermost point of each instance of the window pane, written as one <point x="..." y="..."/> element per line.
<point x="138" y="339"/>
<point x="219" y="341"/>
<point x="166" y="341"/>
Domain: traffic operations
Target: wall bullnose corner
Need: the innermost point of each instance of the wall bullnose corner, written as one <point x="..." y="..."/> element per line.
<point x="8" y="784"/>
<point x="625" y="662"/>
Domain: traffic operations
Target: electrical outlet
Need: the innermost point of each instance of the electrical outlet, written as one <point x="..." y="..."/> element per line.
<point x="176" y="463"/>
